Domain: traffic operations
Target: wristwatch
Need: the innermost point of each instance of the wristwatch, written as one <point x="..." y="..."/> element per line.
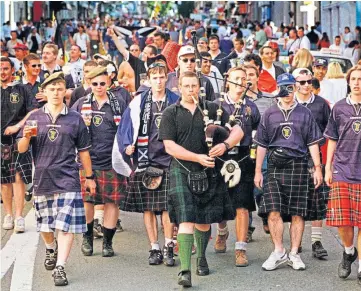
<point x="227" y="145"/>
<point x="90" y="177"/>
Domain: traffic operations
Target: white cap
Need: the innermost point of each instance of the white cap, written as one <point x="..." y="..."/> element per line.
<point x="301" y="71"/>
<point x="186" y="50"/>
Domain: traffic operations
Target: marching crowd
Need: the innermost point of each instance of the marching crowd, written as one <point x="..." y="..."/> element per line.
<point x="198" y="131"/>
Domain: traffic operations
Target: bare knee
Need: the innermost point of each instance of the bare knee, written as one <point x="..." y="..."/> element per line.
<point x="186" y="227"/>
<point x="273" y="217"/>
<point x="297" y="219"/>
<point x="242" y="212"/>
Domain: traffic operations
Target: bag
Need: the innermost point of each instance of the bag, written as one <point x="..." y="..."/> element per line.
<point x="280" y="157"/>
<point x="198" y="182"/>
<point x="152" y="178"/>
<point x="6" y="151"/>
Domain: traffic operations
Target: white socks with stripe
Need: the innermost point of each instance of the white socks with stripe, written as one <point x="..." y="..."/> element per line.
<point x="51" y="246"/>
<point x="222" y="231"/>
<point x="155" y="246"/>
<point x="241" y="245"/>
<point x="316" y="234"/>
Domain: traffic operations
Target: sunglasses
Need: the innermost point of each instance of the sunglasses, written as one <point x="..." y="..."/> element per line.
<point x="289" y="88"/>
<point x="192" y="60"/>
<point x="135" y="50"/>
<point x="36" y="65"/>
<point x="156" y="65"/>
<point x="309" y="82"/>
<point x="102" y="84"/>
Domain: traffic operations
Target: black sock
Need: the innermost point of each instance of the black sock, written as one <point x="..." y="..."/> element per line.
<point x="108" y="233"/>
<point x="89" y="227"/>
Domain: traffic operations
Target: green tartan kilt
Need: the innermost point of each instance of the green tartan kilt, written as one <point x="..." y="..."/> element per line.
<point x="213" y="206"/>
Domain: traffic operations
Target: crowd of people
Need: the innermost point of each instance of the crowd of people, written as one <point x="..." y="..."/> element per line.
<point x="195" y="127"/>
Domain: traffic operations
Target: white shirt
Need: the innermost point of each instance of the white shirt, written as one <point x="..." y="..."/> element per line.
<point x="216" y="83"/>
<point x="271" y="71"/>
<point x="337" y="47"/>
<point x="352" y="53"/>
<point x="326" y="90"/>
<point x="305" y="43"/>
<point x="339" y="90"/>
<point x="81" y="40"/>
<point x="76" y="71"/>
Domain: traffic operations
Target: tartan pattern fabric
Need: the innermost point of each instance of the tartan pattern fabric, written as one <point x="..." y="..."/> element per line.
<point x="138" y="198"/>
<point x="21" y="163"/>
<point x="344" y="205"/>
<point x="213" y="206"/>
<point x="286" y="190"/>
<point x="64" y="212"/>
<point x="109" y="187"/>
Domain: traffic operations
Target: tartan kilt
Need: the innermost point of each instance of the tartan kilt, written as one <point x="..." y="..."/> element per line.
<point x="213" y="206"/>
<point x="15" y="162"/>
<point x="285" y="190"/>
<point x="64" y="212"/>
<point x="109" y="187"/>
<point x="344" y="205"/>
<point x="138" y="198"/>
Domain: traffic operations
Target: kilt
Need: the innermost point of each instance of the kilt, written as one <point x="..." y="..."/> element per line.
<point x="109" y="187"/>
<point x="12" y="161"/>
<point x="64" y="211"/>
<point x="344" y="205"/>
<point x="213" y="206"/>
<point x="138" y="198"/>
<point x="242" y="196"/>
<point x="286" y="190"/>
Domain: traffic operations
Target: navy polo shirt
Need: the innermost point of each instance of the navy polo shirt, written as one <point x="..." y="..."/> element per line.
<point x="295" y="130"/>
<point x="344" y="126"/>
<point x="248" y="116"/>
<point x="102" y="131"/>
<point x="54" y="151"/>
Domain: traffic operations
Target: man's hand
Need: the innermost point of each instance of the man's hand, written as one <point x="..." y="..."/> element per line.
<point x="41" y="97"/>
<point x="218" y="150"/>
<point x="130" y="150"/>
<point x="317" y="177"/>
<point x="90" y="186"/>
<point x="328" y="176"/>
<point x="258" y="180"/>
<point x="27" y="131"/>
<point x="11" y="130"/>
<point x="206" y="161"/>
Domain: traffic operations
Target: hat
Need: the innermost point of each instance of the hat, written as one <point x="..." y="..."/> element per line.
<point x="20" y="46"/>
<point x="159" y="57"/>
<point x="97" y="71"/>
<point x="100" y="56"/>
<point x="285" y="79"/>
<point x="301" y="71"/>
<point x="320" y="63"/>
<point x="203" y="39"/>
<point x="55" y="77"/>
<point x="186" y="50"/>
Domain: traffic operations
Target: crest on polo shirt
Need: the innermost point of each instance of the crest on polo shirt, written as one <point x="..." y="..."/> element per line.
<point x="356" y="126"/>
<point x="97" y="120"/>
<point x="158" y="120"/>
<point x="53" y="134"/>
<point x="286" y="132"/>
<point x="14" y="98"/>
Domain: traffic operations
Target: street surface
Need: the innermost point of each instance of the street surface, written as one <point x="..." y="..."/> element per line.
<point x="22" y="269"/>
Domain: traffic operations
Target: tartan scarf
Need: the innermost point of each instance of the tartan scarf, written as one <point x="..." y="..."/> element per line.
<point x="143" y="136"/>
<point x="114" y="104"/>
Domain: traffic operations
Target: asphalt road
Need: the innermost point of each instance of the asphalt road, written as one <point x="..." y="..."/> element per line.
<point x="129" y="269"/>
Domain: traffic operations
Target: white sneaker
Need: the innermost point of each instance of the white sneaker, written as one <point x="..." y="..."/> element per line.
<point x="8" y="222"/>
<point x="19" y="224"/>
<point x="274" y="261"/>
<point x="295" y="262"/>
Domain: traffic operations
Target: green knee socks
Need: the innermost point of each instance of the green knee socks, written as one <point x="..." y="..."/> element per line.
<point x="202" y="239"/>
<point x="185" y="243"/>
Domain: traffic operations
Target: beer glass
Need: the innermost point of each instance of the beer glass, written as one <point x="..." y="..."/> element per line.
<point x="33" y="125"/>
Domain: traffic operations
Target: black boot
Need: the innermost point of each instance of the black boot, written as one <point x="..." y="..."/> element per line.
<point x="344" y="268"/>
<point x="108" y="242"/>
<point x="185" y="279"/>
<point x="87" y="245"/>
<point x="202" y="267"/>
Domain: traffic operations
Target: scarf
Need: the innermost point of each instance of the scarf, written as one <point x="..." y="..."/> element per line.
<point x="114" y="104"/>
<point x="143" y="136"/>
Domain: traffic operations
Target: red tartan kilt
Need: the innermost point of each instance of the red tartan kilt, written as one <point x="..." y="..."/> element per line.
<point x="344" y="205"/>
<point x="110" y="186"/>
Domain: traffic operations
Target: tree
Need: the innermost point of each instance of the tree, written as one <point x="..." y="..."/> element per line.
<point x="186" y="8"/>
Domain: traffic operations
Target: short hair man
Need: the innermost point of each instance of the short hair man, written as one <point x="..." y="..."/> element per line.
<point x="337" y="45"/>
<point x="135" y="50"/>
<point x="31" y="79"/>
<point x="343" y="171"/>
<point x="49" y="56"/>
<point x="218" y="57"/>
<point x="212" y="72"/>
<point x="61" y="133"/>
<point x="320" y="70"/>
<point x="288" y="130"/>
<point x="159" y="41"/>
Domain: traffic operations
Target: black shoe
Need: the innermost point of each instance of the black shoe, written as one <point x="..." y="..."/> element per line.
<point x="51" y="257"/>
<point x="87" y="245"/>
<point x="300" y="249"/>
<point x="185" y="279"/>
<point x="344" y="268"/>
<point x="29" y="194"/>
<point x="107" y="248"/>
<point x="202" y="267"/>
<point x="60" y="276"/>
<point x="318" y="251"/>
<point x="155" y="257"/>
<point x="98" y="229"/>
<point x="119" y="227"/>
<point x="359" y="278"/>
<point x="168" y="254"/>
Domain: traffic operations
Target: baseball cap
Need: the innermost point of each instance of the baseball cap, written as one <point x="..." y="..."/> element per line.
<point x="186" y="50"/>
<point x="301" y="71"/>
<point x="320" y="63"/>
<point x="100" y="56"/>
<point x="21" y="46"/>
<point x="285" y="79"/>
<point x="203" y="39"/>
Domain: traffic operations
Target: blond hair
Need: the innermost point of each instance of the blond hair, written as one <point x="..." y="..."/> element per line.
<point x="302" y="59"/>
<point x="350" y="71"/>
<point x="334" y="71"/>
